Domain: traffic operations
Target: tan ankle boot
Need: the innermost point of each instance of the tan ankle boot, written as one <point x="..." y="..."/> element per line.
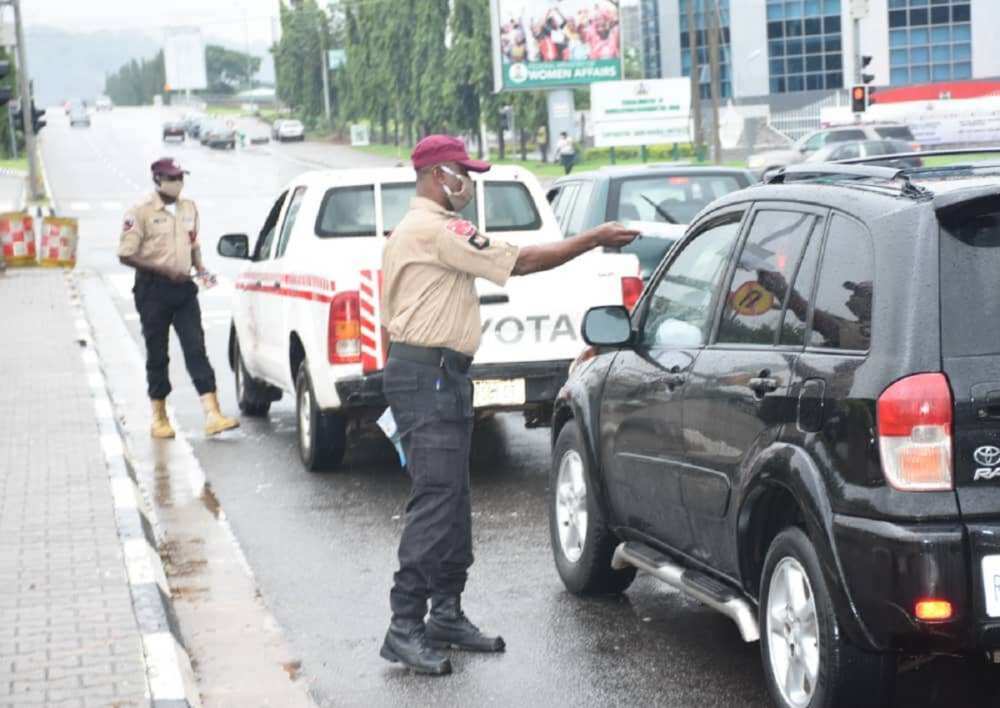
<point x="215" y="422"/>
<point x="161" y="427"/>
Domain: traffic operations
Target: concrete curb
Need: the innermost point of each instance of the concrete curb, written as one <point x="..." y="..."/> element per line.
<point x="170" y="677"/>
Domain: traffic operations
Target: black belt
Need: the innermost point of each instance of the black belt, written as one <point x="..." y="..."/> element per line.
<point x="433" y="356"/>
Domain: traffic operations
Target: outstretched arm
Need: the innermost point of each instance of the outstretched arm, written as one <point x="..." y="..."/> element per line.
<point x="534" y="259"/>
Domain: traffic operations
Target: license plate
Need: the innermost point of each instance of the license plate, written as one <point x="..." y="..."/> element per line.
<point x="499" y="392"/>
<point x="991" y="584"/>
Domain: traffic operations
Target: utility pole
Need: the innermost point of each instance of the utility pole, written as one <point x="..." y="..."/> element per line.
<point x="35" y="190"/>
<point x="695" y="75"/>
<point x="325" y="64"/>
<point x="714" y="26"/>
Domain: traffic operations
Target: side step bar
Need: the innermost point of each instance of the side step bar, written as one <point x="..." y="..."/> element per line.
<point x="701" y="587"/>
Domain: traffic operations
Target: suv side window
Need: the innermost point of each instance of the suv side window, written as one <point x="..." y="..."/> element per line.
<point x="760" y="287"/>
<point x="815" y="142"/>
<point x="347" y="211"/>
<point x="563" y="203"/>
<point x="847" y="152"/>
<point x="842" y="136"/>
<point x="577" y="218"/>
<point x="262" y="251"/>
<point x="286" y="228"/>
<point x="842" y="313"/>
<point x="680" y="305"/>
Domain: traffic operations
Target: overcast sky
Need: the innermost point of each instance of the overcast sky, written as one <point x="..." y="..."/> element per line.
<point x="223" y="19"/>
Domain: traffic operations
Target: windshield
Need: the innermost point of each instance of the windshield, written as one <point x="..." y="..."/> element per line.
<point x="671" y="199"/>
<point x="896" y="132"/>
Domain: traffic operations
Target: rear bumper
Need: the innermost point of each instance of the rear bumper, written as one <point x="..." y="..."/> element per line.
<point x="542" y="381"/>
<point x="889" y="567"/>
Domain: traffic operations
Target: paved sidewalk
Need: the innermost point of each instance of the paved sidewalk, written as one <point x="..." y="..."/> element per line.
<point x="68" y="632"/>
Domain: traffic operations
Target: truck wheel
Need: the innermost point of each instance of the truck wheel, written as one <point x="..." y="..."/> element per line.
<point x="808" y="661"/>
<point x="252" y="396"/>
<point x="582" y="544"/>
<point x="322" y="436"/>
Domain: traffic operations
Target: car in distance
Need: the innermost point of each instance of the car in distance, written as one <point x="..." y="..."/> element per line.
<point x="285" y="129"/>
<point x="78" y="116"/>
<point x="856" y="149"/>
<point x="657" y="200"/>
<point x="764" y="162"/>
<point x="217" y="134"/>
<point x="797" y="426"/>
<point x="173" y="130"/>
<point x="103" y="103"/>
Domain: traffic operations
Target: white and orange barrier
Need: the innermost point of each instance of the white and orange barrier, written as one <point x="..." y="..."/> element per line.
<point x="17" y="239"/>
<point x="57" y="246"/>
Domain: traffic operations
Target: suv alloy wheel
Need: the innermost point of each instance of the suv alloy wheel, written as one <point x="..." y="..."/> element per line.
<point x="582" y="543"/>
<point x="808" y="662"/>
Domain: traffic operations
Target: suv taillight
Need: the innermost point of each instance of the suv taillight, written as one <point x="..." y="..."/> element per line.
<point x="631" y="291"/>
<point x="914" y="427"/>
<point x="344" y="329"/>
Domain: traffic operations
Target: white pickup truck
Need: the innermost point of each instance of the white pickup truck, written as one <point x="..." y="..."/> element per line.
<point x="306" y="309"/>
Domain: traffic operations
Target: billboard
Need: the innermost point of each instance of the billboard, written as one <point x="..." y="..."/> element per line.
<point x="555" y="43"/>
<point x="632" y="113"/>
<point x="184" y="59"/>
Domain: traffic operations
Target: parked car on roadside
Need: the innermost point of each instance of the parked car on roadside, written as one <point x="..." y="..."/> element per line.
<point x="218" y="134"/>
<point x="658" y="200"/>
<point x="192" y="124"/>
<point x="305" y="316"/>
<point x="103" y="103"/>
<point x="797" y="426"/>
<point x="173" y="130"/>
<point x="864" y="149"/>
<point x="285" y="129"/>
<point x="764" y="162"/>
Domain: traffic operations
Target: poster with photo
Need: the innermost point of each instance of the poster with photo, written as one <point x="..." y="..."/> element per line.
<point x="556" y="43"/>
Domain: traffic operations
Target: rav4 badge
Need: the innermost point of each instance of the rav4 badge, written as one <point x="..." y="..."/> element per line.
<point x="987" y="456"/>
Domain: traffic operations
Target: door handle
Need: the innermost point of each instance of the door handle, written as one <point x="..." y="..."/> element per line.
<point x="674" y="378"/>
<point x="276" y="284"/>
<point x="259" y="283"/>
<point x="498" y="299"/>
<point x="763" y="384"/>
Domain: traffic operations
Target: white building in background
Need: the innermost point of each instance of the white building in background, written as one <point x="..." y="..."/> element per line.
<point x="793" y="48"/>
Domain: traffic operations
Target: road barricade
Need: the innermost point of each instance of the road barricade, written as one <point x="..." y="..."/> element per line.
<point x="57" y="246"/>
<point x="17" y="238"/>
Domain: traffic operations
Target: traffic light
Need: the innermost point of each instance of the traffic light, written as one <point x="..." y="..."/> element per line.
<point x="859" y="99"/>
<point x="37" y="118"/>
<point x="5" y="91"/>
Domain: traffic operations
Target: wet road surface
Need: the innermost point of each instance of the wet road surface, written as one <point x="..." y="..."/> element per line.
<point x="322" y="546"/>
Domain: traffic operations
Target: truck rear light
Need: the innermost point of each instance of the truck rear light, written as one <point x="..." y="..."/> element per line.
<point x="933" y="610"/>
<point x="631" y="291"/>
<point x="914" y="427"/>
<point x="344" y="329"/>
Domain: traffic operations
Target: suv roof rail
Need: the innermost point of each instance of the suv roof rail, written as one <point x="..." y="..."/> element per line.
<point x="919" y="154"/>
<point x="834" y="169"/>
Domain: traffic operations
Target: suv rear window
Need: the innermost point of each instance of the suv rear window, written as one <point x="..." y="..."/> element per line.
<point x="509" y="206"/>
<point x="970" y="289"/>
<point x="347" y="211"/>
<point x="895" y="132"/>
<point x="673" y="199"/>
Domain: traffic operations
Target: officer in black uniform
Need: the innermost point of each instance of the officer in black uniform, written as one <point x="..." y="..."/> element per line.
<point x="431" y="308"/>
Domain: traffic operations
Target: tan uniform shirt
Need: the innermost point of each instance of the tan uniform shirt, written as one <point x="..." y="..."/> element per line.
<point x="155" y="235"/>
<point x="429" y="268"/>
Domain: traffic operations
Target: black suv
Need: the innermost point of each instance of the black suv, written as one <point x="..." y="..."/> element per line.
<point x="799" y="426"/>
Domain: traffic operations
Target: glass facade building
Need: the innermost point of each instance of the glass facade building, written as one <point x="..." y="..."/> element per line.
<point x="805" y="45"/>
<point x="652" y="67"/>
<point x="703" y="22"/>
<point x="929" y="40"/>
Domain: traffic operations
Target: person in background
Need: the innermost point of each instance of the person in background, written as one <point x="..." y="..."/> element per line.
<point x="566" y="152"/>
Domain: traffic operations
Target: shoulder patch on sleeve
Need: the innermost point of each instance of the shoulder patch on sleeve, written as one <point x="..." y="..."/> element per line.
<point x="468" y="231"/>
<point x="129" y="223"/>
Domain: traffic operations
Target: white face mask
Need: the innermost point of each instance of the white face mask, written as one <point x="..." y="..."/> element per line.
<point x="170" y="188"/>
<point x="459" y="200"/>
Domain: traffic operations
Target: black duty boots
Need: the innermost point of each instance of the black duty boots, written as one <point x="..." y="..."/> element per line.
<point x="449" y="627"/>
<point x="405" y="643"/>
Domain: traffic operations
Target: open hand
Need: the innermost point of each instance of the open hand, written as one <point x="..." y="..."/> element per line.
<point x="614" y="235"/>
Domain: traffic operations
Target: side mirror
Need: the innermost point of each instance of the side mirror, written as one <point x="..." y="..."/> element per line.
<point x="608" y="326"/>
<point x="234" y="246"/>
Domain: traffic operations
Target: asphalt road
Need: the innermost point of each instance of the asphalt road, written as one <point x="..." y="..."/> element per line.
<point x="321" y="546"/>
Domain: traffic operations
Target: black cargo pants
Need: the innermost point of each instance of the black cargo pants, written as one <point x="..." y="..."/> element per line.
<point x="162" y="303"/>
<point x="432" y="405"/>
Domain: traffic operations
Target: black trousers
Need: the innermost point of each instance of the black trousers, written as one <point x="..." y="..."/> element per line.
<point x="162" y="303"/>
<point x="432" y="406"/>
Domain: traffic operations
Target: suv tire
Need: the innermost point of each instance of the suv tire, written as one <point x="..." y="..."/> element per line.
<point x="808" y="640"/>
<point x="253" y="396"/>
<point x="322" y="436"/>
<point x="574" y="509"/>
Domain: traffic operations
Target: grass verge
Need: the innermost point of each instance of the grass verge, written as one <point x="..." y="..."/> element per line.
<point x="20" y="164"/>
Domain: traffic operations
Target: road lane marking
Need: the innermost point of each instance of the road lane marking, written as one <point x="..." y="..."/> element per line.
<point x="79" y="206"/>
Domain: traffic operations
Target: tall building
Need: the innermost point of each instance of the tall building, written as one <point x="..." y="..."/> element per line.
<point x="650" y="19"/>
<point x="787" y="47"/>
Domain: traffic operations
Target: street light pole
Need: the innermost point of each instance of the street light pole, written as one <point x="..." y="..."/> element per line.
<point x="35" y="190"/>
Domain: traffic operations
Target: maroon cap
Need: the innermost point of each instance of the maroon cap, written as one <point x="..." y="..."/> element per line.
<point x="166" y="167"/>
<point x="435" y="149"/>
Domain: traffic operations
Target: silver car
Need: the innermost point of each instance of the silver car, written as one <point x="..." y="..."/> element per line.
<point x="805" y="146"/>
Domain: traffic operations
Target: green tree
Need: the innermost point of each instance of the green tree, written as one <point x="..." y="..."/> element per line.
<point x="9" y="82"/>
<point x="469" y="64"/>
<point x="227" y="70"/>
<point x="300" y="60"/>
<point x="135" y="83"/>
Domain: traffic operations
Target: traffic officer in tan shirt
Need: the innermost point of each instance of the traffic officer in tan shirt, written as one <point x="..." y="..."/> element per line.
<point x="160" y="240"/>
<point x="431" y="308"/>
